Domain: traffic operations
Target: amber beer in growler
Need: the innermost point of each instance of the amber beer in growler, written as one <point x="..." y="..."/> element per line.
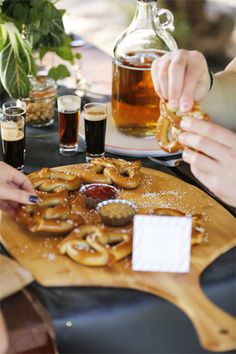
<point x="135" y="104"/>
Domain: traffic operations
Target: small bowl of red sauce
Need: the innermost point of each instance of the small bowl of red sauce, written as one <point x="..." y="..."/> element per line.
<point x="96" y="193"/>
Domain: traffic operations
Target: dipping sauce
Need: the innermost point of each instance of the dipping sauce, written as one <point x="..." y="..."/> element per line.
<point x="116" y="212"/>
<point x="96" y="193"/>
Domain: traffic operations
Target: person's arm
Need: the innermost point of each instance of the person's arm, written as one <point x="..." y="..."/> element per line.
<point x="220" y="102"/>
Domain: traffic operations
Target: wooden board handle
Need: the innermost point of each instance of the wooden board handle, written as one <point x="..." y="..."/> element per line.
<point x="215" y="328"/>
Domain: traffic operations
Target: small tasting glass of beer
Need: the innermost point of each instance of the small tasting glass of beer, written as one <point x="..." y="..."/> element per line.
<point x="13" y="133"/>
<point x="69" y="115"/>
<point x="95" y="120"/>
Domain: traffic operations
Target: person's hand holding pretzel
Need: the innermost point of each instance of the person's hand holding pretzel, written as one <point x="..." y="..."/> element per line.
<point x="181" y="78"/>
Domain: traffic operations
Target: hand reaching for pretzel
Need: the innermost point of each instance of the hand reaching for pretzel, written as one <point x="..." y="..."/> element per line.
<point x="180" y="78"/>
<point x="53" y="213"/>
<point x="15" y="188"/>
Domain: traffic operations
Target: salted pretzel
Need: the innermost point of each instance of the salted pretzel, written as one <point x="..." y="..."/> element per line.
<point x="94" y="174"/>
<point x="168" y="125"/>
<point x="198" y="232"/>
<point x="49" y="180"/>
<point x="123" y="173"/>
<point x="52" y="214"/>
<point x="95" y="246"/>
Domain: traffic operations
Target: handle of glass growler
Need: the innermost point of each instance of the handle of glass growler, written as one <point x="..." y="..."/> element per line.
<point x="168" y="24"/>
<point x="161" y="27"/>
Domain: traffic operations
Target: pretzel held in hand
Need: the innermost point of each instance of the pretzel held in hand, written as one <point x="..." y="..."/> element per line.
<point x="198" y="232"/>
<point x="168" y="125"/>
<point x="123" y="173"/>
<point x="95" y="246"/>
<point x="49" y="180"/>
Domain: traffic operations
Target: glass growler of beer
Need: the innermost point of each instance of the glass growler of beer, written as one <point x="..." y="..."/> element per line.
<point x="135" y="104"/>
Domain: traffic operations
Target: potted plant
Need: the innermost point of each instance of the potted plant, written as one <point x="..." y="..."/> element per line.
<point x="28" y="27"/>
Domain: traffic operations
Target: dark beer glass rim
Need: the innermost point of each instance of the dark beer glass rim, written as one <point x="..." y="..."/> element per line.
<point x="12" y="115"/>
<point x="13" y="104"/>
<point x="90" y="104"/>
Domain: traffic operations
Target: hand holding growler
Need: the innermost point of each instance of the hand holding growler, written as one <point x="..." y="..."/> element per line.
<point x="135" y="104"/>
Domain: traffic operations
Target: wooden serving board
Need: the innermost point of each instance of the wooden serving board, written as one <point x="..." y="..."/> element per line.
<point x="215" y="328"/>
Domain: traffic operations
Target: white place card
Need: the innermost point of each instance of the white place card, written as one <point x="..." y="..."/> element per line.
<point x="161" y="243"/>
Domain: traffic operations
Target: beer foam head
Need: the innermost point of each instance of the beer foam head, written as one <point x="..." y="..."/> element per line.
<point x="95" y="113"/>
<point x="69" y="103"/>
<point x="11" y="131"/>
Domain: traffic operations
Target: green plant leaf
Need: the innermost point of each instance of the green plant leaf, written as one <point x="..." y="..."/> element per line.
<point x="48" y="11"/>
<point x="42" y="52"/>
<point x="65" y="53"/>
<point x="45" y="32"/>
<point x="44" y="27"/>
<point x="78" y="56"/>
<point x="33" y="14"/>
<point x="67" y="39"/>
<point x="16" y="62"/>
<point x="13" y="76"/>
<point x="56" y="31"/>
<point x="62" y="12"/>
<point x="59" y="72"/>
<point x="1" y="39"/>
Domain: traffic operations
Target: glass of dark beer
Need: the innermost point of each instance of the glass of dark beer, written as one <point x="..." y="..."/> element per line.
<point x="13" y="133"/>
<point x="69" y="114"/>
<point x="95" y="120"/>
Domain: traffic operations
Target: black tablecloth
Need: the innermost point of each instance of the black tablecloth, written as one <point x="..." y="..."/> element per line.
<point x="106" y="320"/>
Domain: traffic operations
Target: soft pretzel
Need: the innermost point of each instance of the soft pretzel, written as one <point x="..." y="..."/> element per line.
<point x="108" y="170"/>
<point x="95" y="246"/>
<point x="168" y="125"/>
<point x="198" y="232"/>
<point x="53" y="198"/>
<point x="52" y="214"/>
<point x="49" y="180"/>
<point x="94" y="174"/>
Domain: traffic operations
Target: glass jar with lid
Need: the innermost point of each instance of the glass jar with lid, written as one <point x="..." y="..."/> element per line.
<point x="40" y="105"/>
<point x="135" y="104"/>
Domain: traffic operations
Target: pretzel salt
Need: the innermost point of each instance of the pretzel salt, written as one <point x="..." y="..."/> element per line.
<point x="108" y="170"/>
<point x="95" y="246"/>
<point x="168" y="125"/>
<point x="52" y="214"/>
<point x="49" y="180"/>
<point x="198" y="232"/>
